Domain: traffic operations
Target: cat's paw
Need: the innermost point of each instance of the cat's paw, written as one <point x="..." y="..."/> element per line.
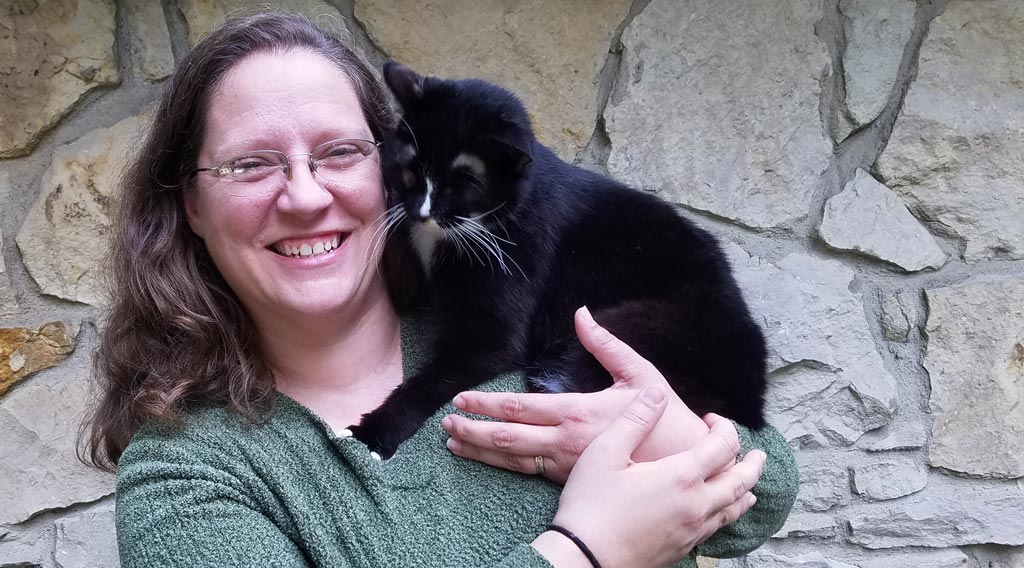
<point x="376" y="435"/>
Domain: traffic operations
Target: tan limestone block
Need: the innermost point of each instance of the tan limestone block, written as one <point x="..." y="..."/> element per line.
<point x="204" y="15"/>
<point x="64" y="238"/>
<point x="550" y="54"/>
<point x="24" y="351"/>
<point x="51" y="55"/>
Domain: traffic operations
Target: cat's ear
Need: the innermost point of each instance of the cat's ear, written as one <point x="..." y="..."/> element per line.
<point x="406" y="84"/>
<point x="515" y="153"/>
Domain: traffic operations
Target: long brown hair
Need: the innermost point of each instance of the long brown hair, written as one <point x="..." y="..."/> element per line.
<point x="175" y="332"/>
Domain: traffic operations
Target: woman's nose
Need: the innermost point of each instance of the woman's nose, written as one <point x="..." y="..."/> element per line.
<point x="303" y="195"/>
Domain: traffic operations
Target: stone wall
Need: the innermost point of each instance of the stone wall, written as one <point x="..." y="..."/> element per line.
<point x="861" y="159"/>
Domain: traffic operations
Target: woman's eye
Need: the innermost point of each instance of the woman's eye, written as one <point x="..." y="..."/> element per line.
<point x="341" y="150"/>
<point x="248" y="164"/>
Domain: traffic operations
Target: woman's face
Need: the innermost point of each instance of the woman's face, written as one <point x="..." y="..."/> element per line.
<point x="292" y="103"/>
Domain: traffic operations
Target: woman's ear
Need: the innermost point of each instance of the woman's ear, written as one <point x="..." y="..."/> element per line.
<point x="193" y="210"/>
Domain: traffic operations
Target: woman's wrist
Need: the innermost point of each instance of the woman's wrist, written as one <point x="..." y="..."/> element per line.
<point x="559" y="551"/>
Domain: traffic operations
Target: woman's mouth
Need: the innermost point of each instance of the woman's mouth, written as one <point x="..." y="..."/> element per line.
<point x="308" y="247"/>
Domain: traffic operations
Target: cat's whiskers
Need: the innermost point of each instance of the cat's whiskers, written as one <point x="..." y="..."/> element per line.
<point x="412" y="133"/>
<point x="462" y="244"/>
<point x="388" y="220"/>
<point x="488" y="247"/>
<point x="489" y="241"/>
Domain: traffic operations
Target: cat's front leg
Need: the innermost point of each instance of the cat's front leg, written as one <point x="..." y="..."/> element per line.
<point x="404" y="412"/>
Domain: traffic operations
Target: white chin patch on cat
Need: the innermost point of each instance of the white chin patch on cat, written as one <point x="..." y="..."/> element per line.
<point x="424" y="240"/>
<point x="471" y="163"/>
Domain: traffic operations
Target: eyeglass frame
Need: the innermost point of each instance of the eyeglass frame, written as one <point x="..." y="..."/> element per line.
<point x="287" y="158"/>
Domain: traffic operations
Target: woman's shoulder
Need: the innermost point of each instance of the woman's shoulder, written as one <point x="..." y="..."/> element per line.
<point x="207" y="432"/>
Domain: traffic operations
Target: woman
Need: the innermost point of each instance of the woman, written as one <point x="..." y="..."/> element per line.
<point x="250" y="326"/>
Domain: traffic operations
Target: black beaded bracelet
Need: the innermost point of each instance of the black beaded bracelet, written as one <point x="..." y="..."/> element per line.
<point x="579" y="543"/>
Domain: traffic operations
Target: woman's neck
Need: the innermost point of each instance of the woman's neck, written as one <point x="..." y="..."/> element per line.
<point x="339" y="369"/>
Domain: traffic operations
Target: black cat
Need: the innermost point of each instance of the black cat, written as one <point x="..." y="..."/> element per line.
<point x="513" y="240"/>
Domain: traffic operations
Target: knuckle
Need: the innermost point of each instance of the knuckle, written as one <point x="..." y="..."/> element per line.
<point x="513" y="463"/>
<point x="739" y="489"/>
<point x="502" y="438"/>
<point x="572" y="445"/>
<point x="635" y="418"/>
<point x="512" y="407"/>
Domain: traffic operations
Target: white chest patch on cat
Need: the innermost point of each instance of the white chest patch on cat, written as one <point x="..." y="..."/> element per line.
<point x="424" y="239"/>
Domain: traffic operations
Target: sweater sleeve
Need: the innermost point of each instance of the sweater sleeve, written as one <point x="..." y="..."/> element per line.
<point x="775" y="492"/>
<point x="176" y="508"/>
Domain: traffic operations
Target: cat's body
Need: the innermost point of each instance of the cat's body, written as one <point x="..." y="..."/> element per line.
<point x="568" y="237"/>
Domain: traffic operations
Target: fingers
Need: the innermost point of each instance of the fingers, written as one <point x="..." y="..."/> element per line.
<point x="729" y="491"/>
<point x="525" y="408"/>
<point x="616" y="444"/>
<point x="518" y="439"/>
<point x="712" y="453"/>
<point x="553" y="469"/>
<point x="624" y="364"/>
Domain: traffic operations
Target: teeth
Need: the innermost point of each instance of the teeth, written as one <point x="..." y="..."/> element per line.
<point x="306" y="250"/>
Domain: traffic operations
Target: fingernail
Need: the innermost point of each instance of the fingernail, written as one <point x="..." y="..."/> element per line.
<point x="587" y="315"/>
<point x="751" y="500"/>
<point x="459" y="402"/>
<point x="454" y="445"/>
<point x="447" y="423"/>
<point x="652" y="396"/>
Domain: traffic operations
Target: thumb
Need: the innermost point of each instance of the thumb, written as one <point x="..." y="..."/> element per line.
<point x="622" y="437"/>
<point x="625" y="365"/>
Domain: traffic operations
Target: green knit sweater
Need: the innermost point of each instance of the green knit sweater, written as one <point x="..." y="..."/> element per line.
<point x="289" y="492"/>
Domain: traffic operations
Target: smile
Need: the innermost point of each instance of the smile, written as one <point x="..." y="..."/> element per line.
<point x="316" y="246"/>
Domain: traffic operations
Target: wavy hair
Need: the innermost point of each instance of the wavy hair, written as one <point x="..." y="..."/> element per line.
<point x="175" y="332"/>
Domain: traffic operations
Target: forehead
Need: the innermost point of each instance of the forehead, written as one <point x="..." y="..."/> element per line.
<point x="292" y="97"/>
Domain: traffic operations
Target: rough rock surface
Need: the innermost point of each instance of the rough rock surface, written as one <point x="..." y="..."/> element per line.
<point x="889" y="479"/>
<point x="708" y="114"/>
<point x="986" y="516"/>
<point x="515" y="44"/>
<point x="8" y="300"/>
<point x="954" y="153"/>
<point x="899" y="314"/>
<point x="63" y="239"/>
<point x="975" y="360"/>
<point x="828" y="384"/>
<point x="26" y="351"/>
<point x="150" y="40"/>
<point x="39" y="421"/>
<point x="799" y="524"/>
<point x="902" y="436"/>
<point x="51" y="55"/>
<point x="204" y="15"/>
<point x="87" y="540"/>
<point x="765" y="559"/>
<point x="876" y="34"/>
<point x="869" y="218"/>
<point x="822" y="486"/>
<point x="942" y="558"/>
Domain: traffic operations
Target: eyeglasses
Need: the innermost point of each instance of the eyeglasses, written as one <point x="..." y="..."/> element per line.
<point x="342" y="161"/>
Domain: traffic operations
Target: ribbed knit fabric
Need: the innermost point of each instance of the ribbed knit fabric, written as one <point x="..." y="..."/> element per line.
<point x="222" y="492"/>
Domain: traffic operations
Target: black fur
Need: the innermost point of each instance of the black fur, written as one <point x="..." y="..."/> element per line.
<point x="569" y="237"/>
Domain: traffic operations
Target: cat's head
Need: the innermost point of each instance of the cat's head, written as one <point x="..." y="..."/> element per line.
<point x="462" y="149"/>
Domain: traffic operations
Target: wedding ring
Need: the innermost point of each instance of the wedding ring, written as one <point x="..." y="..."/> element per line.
<point x="539" y="462"/>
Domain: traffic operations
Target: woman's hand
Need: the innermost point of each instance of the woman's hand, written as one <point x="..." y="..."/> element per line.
<point x="559" y="427"/>
<point x="650" y="513"/>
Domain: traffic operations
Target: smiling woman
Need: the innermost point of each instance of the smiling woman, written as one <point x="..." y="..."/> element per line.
<point x="252" y="323"/>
